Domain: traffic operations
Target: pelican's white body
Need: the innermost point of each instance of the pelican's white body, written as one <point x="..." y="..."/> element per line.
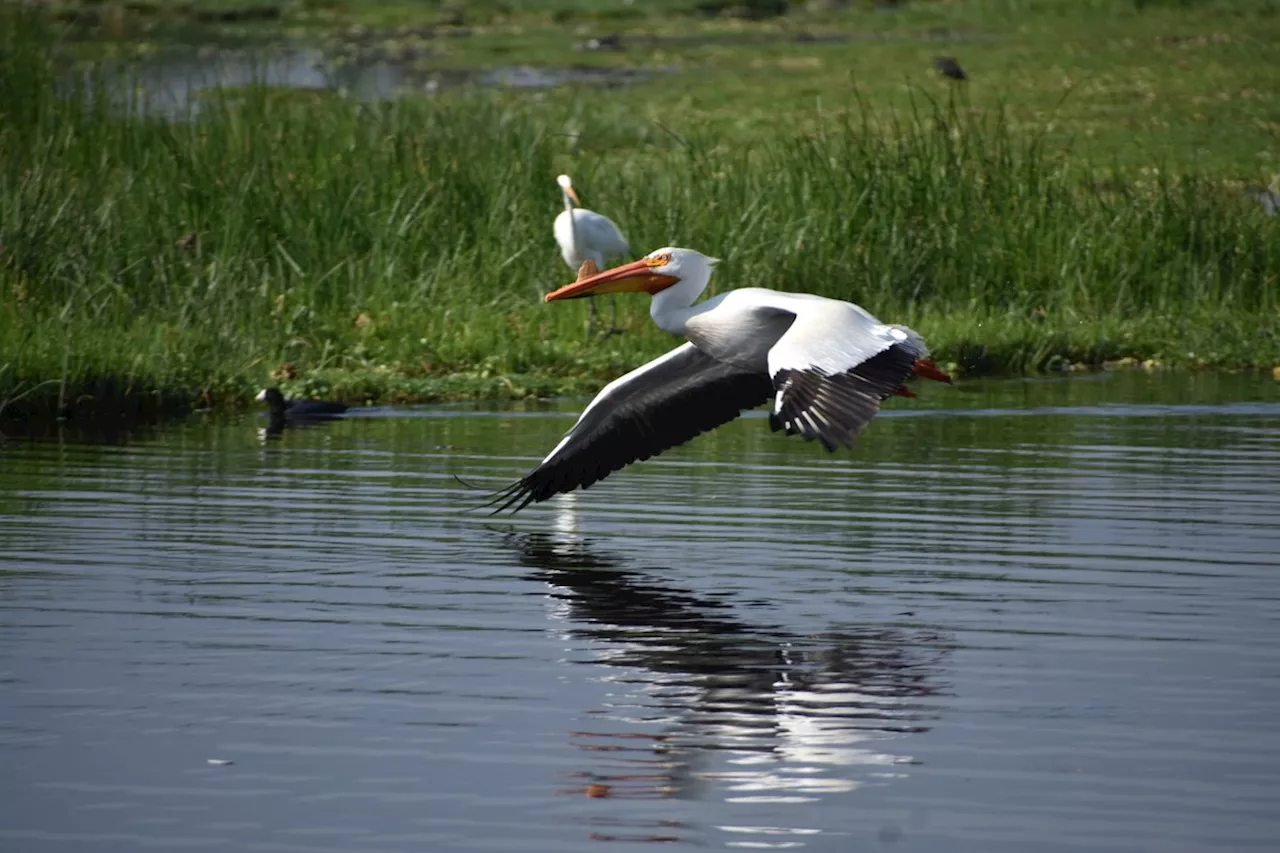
<point x="768" y="330"/>
<point x="584" y="235"/>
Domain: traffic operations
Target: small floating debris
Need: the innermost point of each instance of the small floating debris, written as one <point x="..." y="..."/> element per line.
<point x="596" y="791"/>
<point x="218" y="762"/>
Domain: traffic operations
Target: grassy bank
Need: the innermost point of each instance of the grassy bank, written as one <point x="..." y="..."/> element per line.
<point x="399" y="251"/>
<point x="1131" y="82"/>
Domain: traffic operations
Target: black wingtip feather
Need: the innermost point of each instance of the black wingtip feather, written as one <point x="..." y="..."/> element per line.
<point x="467" y="485"/>
<point x="509" y="496"/>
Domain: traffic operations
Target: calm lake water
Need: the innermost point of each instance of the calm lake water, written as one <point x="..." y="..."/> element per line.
<point x="1033" y="615"/>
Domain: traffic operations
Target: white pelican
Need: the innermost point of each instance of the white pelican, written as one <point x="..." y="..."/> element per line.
<point x="585" y="235"/>
<point x="826" y="364"/>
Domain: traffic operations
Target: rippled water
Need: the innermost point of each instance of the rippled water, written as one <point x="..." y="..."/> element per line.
<point x="1022" y="616"/>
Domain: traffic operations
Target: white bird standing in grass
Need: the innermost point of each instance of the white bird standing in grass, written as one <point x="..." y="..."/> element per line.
<point x="826" y="366"/>
<point x="586" y="236"/>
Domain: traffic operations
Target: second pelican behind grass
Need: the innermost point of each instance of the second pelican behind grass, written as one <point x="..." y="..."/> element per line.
<point x="587" y="238"/>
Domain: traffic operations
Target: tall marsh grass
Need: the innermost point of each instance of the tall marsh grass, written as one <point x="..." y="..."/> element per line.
<point x="381" y="247"/>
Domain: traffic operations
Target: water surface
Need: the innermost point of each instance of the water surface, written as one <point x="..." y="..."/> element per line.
<point x="174" y="82"/>
<point x="1022" y="616"/>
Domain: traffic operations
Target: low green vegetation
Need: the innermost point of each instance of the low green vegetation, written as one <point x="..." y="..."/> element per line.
<point x="1128" y="82"/>
<point x="399" y="250"/>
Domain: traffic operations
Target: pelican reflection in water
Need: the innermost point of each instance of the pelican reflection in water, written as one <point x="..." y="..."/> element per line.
<point x="707" y="705"/>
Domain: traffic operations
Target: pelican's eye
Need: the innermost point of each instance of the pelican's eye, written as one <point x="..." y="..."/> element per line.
<point x="659" y="261"/>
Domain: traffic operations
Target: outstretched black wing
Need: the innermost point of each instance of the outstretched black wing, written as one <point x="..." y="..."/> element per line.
<point x="655" y="407"/>
<point x="834" y="407"/>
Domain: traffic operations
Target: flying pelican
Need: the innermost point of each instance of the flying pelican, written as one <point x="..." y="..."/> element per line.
<point x="586" y="236"/>
<point x="826" y="365"/>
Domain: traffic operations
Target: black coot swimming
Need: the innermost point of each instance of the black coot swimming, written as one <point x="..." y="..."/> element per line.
<point x="297" y="412"/>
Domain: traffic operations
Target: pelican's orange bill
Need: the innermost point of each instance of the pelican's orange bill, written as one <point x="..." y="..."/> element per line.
<point x="637" y="277"/>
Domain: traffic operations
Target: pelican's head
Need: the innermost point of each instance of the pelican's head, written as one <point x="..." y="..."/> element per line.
<point x="652" y="274"/>
<point x="566" y="185"/>
<point x="682" y="264"/>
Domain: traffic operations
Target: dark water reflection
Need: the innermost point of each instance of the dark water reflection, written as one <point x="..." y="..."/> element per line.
<point x="796" y="716"/>
<point x="1022" y="616"/>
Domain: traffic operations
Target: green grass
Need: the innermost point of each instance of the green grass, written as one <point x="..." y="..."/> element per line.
<point x="1128" y="82"/>
<point x="400" y="251"/>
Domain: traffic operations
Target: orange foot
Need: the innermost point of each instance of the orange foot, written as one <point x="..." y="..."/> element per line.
<point x="926" y="368"/>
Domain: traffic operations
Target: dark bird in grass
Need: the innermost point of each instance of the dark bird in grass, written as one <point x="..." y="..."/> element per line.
<point x="948" y="67"/>
<point x="298" y="410"/>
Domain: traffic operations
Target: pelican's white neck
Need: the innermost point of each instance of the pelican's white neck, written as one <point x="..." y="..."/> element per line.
<point x="568" y="202"/>
<point x="671" y="309"/>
